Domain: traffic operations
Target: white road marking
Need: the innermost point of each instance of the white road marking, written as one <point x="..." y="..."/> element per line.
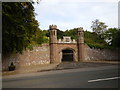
<point x="103" y="79"/>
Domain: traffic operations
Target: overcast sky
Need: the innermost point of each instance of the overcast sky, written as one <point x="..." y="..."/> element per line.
<point x="69" y="14"/>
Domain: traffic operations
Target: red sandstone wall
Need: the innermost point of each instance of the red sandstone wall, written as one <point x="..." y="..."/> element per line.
<point x="41" y="55"/>
<point x="37" y="56"/>
<point x="101" y="54"/>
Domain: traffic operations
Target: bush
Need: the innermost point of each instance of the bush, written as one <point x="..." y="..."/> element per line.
<point x="30" y="47"/>
<point x="11" y="67"/>
<point x="100" y="46"/>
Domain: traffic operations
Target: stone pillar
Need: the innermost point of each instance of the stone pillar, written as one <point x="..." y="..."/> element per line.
<point x="80" y="44"/>
<point x="53" y="43"/>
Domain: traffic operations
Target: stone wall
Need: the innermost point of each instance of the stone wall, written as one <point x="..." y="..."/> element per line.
<point x="38" y="56"/>
<point x="101" y="54"/>
<point x="41" y="55"/>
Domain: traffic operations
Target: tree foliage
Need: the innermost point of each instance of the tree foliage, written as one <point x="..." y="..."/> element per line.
<point x="112" y="36"/>
<point x="71" y="32"/>
<point x="20" y="29"/>
<point x="19" y="25"/>
<point x="99" y="27"/>
<point x="40" y="37"/>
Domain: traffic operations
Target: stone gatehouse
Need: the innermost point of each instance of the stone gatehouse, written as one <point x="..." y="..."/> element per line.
<point x="59" y="50"/>
<point x="66" y="49"/>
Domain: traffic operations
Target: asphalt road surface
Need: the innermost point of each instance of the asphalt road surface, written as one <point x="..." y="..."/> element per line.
<point x="97" y="77"/>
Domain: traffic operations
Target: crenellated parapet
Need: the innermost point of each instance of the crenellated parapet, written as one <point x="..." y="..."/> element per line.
<point x="80" y="33"/>
<point x="53" y="33"/>
<point x="66" y="39"/>
<point x="80" y="29"/>
<point x="51" y="27"/>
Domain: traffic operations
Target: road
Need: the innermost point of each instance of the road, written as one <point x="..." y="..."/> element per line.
<point x="99" y="77"/>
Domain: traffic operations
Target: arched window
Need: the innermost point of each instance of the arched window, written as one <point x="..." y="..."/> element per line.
<point x="54" y="32"/>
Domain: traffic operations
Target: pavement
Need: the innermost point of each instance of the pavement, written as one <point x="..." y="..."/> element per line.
<point x="61" y="66"/>
<point x="30" y="69"/>
<point x="71" y="65"/>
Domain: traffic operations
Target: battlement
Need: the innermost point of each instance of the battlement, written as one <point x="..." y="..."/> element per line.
<point x="53" y="27"/>
<point x="66" y="39"/>
<point x="80" y="29"/>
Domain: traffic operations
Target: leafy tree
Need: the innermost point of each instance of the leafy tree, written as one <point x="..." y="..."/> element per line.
<point x="19" y="25"/>
<point x="40" y="37"/>
<point x="94" y="40"/>
<point x="112" y="36"/>
<point x="99" y="27"/>
<point x="71" y="32"/>
<point x="60" y="34"/>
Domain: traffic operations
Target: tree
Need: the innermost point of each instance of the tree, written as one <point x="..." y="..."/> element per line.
<point x="40" y="37"/>
<point x="99" y="27"/>
<point x="112" y="36"/>
<point x="71" y="32"/>
<point x="19" y="26"/>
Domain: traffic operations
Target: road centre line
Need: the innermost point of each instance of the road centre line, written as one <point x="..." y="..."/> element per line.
<point x="96" y="80"/>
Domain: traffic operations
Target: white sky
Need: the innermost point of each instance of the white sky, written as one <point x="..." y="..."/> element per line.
<point x="69" y="14"/>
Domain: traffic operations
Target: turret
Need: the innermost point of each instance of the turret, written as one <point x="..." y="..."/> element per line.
<point x="80" y="33"/>
<point x="80" y="43"/>
<point x="53" y="43"/>
<point x="53" y="33"/>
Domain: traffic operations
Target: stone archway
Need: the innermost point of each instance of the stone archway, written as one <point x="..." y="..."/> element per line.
<point x="67" y="55"/>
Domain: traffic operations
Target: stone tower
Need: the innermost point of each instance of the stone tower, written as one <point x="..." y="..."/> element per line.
<point x="53" y="43"/>
<point x="80" y="43"/>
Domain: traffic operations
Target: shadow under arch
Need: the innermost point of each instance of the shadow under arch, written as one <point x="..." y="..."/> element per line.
<point x="67" y="54"/>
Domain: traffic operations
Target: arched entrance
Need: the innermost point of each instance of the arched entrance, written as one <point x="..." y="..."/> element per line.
<point x="67" y="55"/>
